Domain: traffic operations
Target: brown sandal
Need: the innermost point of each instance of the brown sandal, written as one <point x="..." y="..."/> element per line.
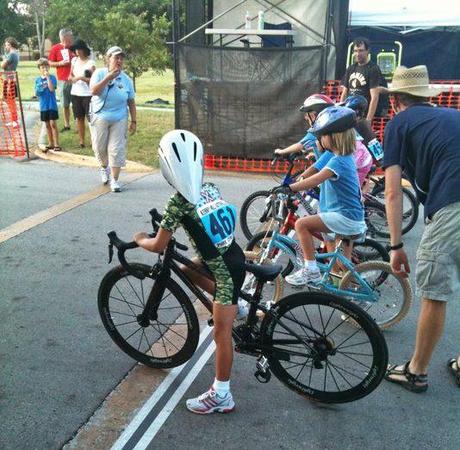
<point x="455" y="371"/>
<point x="57" y="149"/>
<point x="412" y="382"/>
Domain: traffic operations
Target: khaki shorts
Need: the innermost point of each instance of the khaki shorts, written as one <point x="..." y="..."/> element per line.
<point x="108" y="140"/>
<point x="438" y="256"/>
<point x="64" y="88"/>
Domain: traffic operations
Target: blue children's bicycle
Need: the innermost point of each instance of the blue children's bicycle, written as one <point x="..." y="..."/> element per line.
<point x="372" y="284"/>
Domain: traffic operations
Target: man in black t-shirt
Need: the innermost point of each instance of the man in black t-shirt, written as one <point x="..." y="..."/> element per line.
<point x="363" y="77"/>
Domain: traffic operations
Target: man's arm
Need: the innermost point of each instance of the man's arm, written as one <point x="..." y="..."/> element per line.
<point x="375" y="92"/>
<point x="393" y="206"/>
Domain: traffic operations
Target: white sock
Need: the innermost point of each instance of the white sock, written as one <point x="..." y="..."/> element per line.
<point x="221" y="387"/>
<point x="311" y="265"/>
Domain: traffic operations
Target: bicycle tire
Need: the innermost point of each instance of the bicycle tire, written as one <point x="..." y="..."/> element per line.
<point x="113" y="304"/>
<point x="376" y="219"/>
<point x="251" y="225"/>
<point x="381" y="281"/>
<point x="410" y="214"/>
<point x="254" y="246"/>
<point x="316" y="308"/>
<point x="369" y="250"/>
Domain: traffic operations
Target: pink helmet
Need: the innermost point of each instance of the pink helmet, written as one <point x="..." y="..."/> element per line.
<point x="316" y="103"/>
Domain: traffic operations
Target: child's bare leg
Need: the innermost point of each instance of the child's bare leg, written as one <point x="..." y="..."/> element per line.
<point x="55" y="132"/>
<point x="49" y="132"/>
<point x="304" y="228"/>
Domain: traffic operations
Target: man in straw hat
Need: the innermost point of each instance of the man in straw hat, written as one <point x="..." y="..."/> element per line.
<point x="424" y="141"/>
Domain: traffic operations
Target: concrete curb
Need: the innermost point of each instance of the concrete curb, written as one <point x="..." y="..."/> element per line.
<point x="88" y="161"/>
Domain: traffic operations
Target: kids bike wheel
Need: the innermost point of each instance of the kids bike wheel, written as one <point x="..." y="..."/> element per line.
<point x="369" y="250"/>
<point x="410" y="208"/>
<point x="315" y="352"/>
<point x="259" y="243"/>
<point x="255" y="213"/>
<point x="171" y="336"/>
<point x="394" y="294"/>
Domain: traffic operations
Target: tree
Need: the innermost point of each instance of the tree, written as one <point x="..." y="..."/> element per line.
<point x="145" y="49"/>
<point x="14" y="21"/>
<point x="36" y="10"/>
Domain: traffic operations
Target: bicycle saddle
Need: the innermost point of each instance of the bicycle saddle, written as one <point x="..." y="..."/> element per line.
<point x="264" y="272"/>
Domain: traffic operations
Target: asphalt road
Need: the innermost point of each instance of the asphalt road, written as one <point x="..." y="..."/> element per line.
<point x="57" y="364"/>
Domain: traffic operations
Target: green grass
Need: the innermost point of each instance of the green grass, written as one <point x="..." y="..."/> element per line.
<point x="149" y="86"/>
<point x="142" y="146"/>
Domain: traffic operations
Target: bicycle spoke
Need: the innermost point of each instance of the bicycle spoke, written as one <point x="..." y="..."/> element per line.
<point x="125" y="323"/>
<point x="355" y="360"/>
<point x="134" y="290"/>
<point x="170" y="329"/>
<point x="339" y="373"/>
<point x="332" y="375"/>
<point x="129" y="304"/>
<point x="344" y="370"/>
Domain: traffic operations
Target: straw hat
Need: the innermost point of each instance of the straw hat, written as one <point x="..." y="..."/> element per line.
<point x="413" y="81"/>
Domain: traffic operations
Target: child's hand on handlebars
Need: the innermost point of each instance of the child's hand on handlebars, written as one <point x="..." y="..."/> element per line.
<point x="278" y="151"/>
<point x="139" y="236"/>
<point x="282" y="190"/>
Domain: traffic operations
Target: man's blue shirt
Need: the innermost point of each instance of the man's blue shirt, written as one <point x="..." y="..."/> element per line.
<point x="425" y="142"/>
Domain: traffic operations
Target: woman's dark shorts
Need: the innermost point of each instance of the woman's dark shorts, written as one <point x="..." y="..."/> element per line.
<point x="80" y="106"/>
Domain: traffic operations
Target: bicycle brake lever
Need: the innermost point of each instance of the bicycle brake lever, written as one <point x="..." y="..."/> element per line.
<point x="110" y="252"/>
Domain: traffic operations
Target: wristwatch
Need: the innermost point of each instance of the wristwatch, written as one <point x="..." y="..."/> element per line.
<point x="397" y="246"/>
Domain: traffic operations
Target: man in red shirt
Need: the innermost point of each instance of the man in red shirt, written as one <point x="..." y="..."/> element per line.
<point x="60" y="57"/>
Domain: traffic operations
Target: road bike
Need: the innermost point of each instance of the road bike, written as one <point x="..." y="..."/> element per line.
<point x="317" y="344"/>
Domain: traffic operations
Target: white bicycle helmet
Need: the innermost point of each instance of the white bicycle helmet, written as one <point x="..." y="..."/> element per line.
<point x="181" y="162"/>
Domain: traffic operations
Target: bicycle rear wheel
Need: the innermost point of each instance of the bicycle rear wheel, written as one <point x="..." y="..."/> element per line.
<point x="315" y="352"/>
<point x="369" y="250"/>
<point x="410" y="208"/>
<point x="169" y="340"/>
<point x="394" y="293"/>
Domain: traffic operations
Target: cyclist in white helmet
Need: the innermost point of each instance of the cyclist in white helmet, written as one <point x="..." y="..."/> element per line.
<point x="209" y="222"/>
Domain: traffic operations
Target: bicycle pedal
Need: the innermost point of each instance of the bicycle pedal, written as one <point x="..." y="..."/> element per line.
<point x="263" y="377"/>
<point x="262" y="364"/>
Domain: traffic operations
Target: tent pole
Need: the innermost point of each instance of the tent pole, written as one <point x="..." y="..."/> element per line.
<point x="175" y="36"/>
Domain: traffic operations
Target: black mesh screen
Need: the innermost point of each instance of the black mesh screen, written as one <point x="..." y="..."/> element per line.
<point x="245" y="102"/>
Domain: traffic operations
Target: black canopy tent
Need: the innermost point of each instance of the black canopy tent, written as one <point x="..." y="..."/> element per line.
<point x="243" y="102"/>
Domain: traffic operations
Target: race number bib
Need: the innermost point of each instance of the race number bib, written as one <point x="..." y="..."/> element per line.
<point x="219" y="220"/>
<point x="375" y="148"/>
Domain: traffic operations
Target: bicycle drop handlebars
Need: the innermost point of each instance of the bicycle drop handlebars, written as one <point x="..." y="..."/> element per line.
<point x="122" y="246"/>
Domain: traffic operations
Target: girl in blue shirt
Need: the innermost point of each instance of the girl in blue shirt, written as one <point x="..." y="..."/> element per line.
<point x="340" y="197"/>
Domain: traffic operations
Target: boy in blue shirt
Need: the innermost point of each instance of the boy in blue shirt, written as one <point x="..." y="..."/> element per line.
<point x="45" y="86"/>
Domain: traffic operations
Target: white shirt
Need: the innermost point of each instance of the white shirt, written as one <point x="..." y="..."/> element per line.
<point x="80" y="88"/>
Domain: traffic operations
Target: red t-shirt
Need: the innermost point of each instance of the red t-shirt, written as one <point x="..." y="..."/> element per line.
<point x="60" y="53"/>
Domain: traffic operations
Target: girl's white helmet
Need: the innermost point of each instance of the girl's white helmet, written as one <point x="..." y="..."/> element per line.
<point x="181" y="162"/>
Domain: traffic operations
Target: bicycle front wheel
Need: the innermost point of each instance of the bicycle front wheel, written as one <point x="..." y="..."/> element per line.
<point x="313" y="349"/>
<point x="394" y="294"/>
<point x="171" y="336"/>
<point x="255" y="213"/>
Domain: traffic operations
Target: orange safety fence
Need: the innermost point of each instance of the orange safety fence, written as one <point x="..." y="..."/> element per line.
<point x="449" y="98"/>
<point x="12" y="132"/>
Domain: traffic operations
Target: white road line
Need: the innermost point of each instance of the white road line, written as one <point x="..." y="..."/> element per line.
<point x="170" y="405"/>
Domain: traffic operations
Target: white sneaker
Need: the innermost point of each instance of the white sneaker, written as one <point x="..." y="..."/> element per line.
<point x="304" y="276"/>
<point x="210" y="402"/>
<point x="105" y="174"/>
<point x="115" y="185"/>
<point x="243" y="309"/>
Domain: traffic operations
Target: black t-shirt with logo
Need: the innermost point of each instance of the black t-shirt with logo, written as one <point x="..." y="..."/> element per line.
<point x="361" y="79"/>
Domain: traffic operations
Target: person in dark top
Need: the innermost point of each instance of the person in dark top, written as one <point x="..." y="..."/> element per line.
<point x="363" y="77"/>
<point x="424" y="141"/>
